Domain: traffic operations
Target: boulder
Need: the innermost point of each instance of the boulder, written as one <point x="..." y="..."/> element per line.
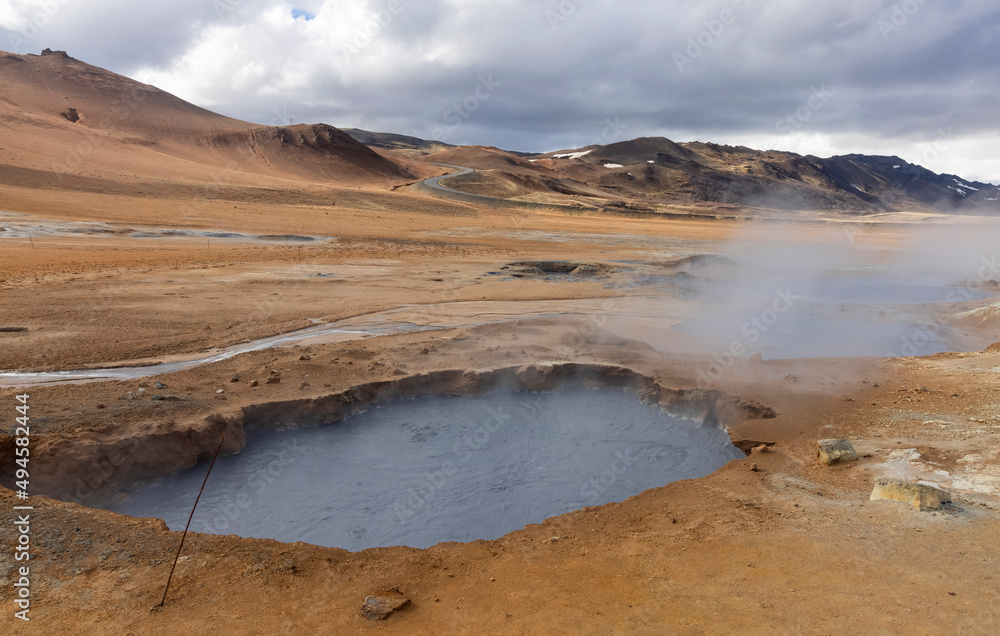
<point x="833" y="451"/>
<point x="922" y="496"/>
<point x="382" y="605"/>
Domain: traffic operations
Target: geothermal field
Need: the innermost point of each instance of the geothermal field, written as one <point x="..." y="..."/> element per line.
<point x="634" y="386"/>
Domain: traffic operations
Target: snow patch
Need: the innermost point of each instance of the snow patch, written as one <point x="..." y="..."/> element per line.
<point x="573" y="155"/>
<point x="650" y="161"/>
<point x="897" y="166"/>
<point x="613" y="165"/>
<point x="964" y="185"/>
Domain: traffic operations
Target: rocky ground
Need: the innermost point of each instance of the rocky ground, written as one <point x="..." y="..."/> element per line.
<point x="774" y="543"/>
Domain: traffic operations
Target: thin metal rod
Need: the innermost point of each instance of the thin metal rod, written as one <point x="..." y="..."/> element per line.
<point x="184" y="536"/>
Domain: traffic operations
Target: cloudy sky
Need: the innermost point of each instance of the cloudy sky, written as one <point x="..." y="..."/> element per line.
<point x="914" y="78"/>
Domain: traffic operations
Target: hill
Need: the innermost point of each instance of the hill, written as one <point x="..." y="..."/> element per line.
<point x="658" y="170"/>
<point x="65" y="120"/>
<point x="407" y="145"/>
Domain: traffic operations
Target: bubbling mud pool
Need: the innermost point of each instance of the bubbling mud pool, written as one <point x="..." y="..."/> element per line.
<point x="422" y="471"/>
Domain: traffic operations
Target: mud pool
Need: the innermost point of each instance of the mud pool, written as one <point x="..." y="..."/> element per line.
<point x="423" y="471"/>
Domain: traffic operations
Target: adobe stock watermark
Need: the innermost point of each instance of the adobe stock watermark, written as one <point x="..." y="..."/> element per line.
<point x="612" y="132"/>
<point x="818" y="97"/>
<point x="225" y="515"/>
<point x="753" y="330"/>
<point x="223" y="178"/>
<point x="566" y="10"/>
<point x="927" y="333"/>
<point x="595" y="487"/>
<point x="461" y="111"/>
<point x="898" y="17"/>
<point x="422" y="493"/>
<point x="35" y="20"/>
<point x="95" y="137"/>
<point x="371" y="29"/>
<point x="798" y="118"/>
<point x="583" y="333"/>
<point x="705" y="39"/>
<point x="226" y="8"/>
<point x="942" y="143"/>
<point x="101" y="472"/>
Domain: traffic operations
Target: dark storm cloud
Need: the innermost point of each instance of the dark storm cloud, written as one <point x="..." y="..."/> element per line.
<point x="894" y="73"/>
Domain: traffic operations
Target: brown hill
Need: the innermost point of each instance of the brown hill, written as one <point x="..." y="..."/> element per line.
<point x="506" y="175"/>
<point x="64" y="119"/>
<point x="482" y="158"/>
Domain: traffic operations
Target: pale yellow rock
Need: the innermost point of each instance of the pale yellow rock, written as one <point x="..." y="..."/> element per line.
<point x="832" y="451"/>
<point x="920" y="496"/>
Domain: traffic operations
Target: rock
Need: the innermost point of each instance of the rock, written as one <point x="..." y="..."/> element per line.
<point x="159" y="385"/>
<point x="165" y="398"/>
<point x="305" y="357"/>
<point x="128" y="395"/>
<point x="274" y="379"/>
<point x="235" y="378"/>
<point x="537" y="377"/>
<point x="750" y="445"/>
<point x="832" y="451"/>
<point x="382" y="605"/>
<point x="220" y="391"/>
<point x="275" y="372"/>
<point x="921" y="496"/>
<point x="141" y="391"/>
<point x="254" y="382"/>
<point x="904" y="455"/>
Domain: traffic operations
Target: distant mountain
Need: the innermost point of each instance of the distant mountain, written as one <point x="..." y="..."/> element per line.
<point x="658" y="170"/>
<point x="63" y="117"/>
<point x="392" y="141"/>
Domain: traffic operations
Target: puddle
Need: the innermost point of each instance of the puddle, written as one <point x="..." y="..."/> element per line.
<point x="20" y="226"/>
<point x="422" y="471"/>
